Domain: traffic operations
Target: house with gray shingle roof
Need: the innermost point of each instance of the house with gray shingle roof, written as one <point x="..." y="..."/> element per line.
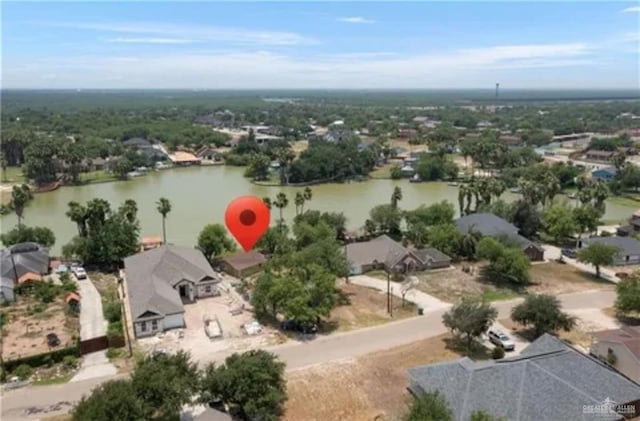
<point x="160" y="281"/>
<point x="18" y="262"/>
<point x="490" y="225"/>
<point x="549" y="381"/>
<point x="384" y="252"/>
<point x="628" y="248"/>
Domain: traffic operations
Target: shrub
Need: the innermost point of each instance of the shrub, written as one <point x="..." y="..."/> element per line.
<point x="114" y="329"/>
<point x="114" y="353"/>
<point x="112" y="311"/>
<point x="42" y="359"/>
<point x="497" y="353"/>
<point x="70" y="361"/>
<point x="23" y="371"/>
<point x="65" y="277"/>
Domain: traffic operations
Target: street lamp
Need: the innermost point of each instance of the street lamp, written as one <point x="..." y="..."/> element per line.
<point x="346" y="243"/>
<point x="389" y="307"/>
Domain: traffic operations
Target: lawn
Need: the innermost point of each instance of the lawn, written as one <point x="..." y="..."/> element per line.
<point x="360" y="307"/>
<point x="382" y="172"/>
<point x="97" y="177"/>
<point x="371" y="387"/>
<point x="13" y="175"/>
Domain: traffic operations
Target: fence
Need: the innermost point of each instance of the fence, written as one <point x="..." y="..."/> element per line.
<point x="42" y="359"/>
<point x="100" y="343"/>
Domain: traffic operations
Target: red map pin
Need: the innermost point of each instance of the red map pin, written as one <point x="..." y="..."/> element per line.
<point x="247" y="218"/>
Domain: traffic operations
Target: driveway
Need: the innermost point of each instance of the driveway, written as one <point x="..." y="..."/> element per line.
<point x="419" y="298"/>
<point x="554" y="253"/>
<point x="92" y="322"/>
<point x="297" y="355"/>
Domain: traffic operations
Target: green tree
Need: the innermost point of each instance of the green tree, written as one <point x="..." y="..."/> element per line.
<point x="252" y="384"/>
<point x="586" y="219"/>
<point x="20" y="198"/>
<point x="396" y="197"/>
<point x="598" y="254"/>
<point x="485" y="416"/>
<point x="558" y="221"/>
<point x="386" y="218"/>
<point x="122" y="167"/>
<point x="164" y="207"/>
<point x="39" y="159"/>
<point x="299" y="202"/>
<point x="506" y="264"/>
<point x="22" y="234"/>
<point x="429" y="407"/>
<point x="281" y="202"/>
<point x="78" y="214"/>
<point x="628" y="295"/>
<point x="543" y="314"/>
<point x="258" y="168"/>
<point x="435" y="214"/>
<point x="111" y="401"/>
<point x="307" y="195"/>
<point x="213" y="241"/>
<point x="165" y="383"/>
<point x="470" y="318"/>
<point x="444" y="237"/>
<point x="526" y="217"/>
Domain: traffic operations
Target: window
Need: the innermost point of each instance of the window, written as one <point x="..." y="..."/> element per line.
<point x="143" y="326"/>
<point x="207" y="289"/>
<point x="154" y="325"/>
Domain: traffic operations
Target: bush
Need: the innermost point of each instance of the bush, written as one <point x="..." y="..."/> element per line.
<point x="23" y="371"/>
<point x="114" y="329"/>
<point x="70" y="361"/>
<point x="114" y="353"/>
<point x="42" y="359"/>
<point x="497" y="353"/>
<point x="112" y="311"/>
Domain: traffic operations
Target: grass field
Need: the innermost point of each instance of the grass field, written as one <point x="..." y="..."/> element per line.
<point x="13" y="175"/>
<point x="97" y="177"/>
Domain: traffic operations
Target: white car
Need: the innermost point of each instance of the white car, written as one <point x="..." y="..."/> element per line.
<point x="500" y="339"/>
<point x="79" y="272"/>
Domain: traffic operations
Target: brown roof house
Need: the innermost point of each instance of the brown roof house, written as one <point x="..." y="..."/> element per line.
<point x="383" y="252"/>
<point x="619" y="348"/>
<point x="161" y="281"/>
<point x="243" y="264"/>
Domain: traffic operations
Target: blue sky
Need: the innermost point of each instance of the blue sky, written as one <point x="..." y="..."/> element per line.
<point x="208" y="45"/>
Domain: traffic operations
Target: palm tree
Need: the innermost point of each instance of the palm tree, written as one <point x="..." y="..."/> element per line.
<point x="267" y="202"/>
<point x="370" y="227"/>
<point x="299" y="202"/>
<point x="164" y="207"/>
<point x="20" y="197"/>
<point x="78" y="214"/>
<point x="307" y="194"/>
<point x="396" y="196"/>
<point x="281" y="202"/>
<point x="462" y="193"/>
<point x="129" y="209"/>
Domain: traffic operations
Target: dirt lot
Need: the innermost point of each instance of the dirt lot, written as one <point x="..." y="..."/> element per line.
<point x="361" y="307"/>
<point x="25" y="330"/>
<point x="551" y="278"/>
<point x="370" y="387"/>
<point x="105" y="283"/>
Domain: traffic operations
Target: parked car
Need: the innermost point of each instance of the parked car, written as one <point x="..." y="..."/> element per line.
<point x="52" y="340"/>
<point x="500" y="339"/>
<point x="571" y="253"/>
<point x="308" y="328"/>
<point x="79" y="272"/>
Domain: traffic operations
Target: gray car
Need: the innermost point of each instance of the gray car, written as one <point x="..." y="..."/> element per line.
<point x="500" y="339"/>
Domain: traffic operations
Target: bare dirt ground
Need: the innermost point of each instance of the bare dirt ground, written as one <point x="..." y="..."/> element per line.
<point x="361" y="307"/>
<point x="372" y="387"/>
<point x="24" y="333"/>
<point x="299" y="146"/>
<point x="551" y="278"/>
<point x="105" y="283"/>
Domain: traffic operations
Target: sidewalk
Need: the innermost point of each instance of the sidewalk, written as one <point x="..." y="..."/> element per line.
<point x="419" y="298"/>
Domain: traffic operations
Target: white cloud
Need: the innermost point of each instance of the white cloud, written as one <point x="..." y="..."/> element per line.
<point x="150" y="40"/>
<point x="634" y="9"/>
<point x="356" y="20"/>
<point x="466" y="68"/>
<point x="192" y="32"/>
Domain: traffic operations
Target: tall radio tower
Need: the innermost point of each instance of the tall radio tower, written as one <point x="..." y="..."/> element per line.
<point x="497" y="90"/>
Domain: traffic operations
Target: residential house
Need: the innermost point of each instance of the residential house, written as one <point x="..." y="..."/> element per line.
<point x="243" y="264"/>
<point x="628" y="248"/>
<point x="207" y="153"/>
<point x="159" y="282"/>
<point x="599" y="156"/>
<point x="619" y="348"/>
<point x="184" y="159"/>
<point x="632" y="228"/>
<point x="383" y="252"/>
<point x="150" y="242"/>
<point x="137" y="142"/>
<point x="607" y="174"/>
<point x="337" y="134"/>
<point x="21" y="263"/>
<point x="548" y="381"/>
<point x="490" y="225"/>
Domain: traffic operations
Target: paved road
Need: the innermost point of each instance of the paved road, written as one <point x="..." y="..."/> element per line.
<point x="342" y="346"/>
<point x="426" y="301"/>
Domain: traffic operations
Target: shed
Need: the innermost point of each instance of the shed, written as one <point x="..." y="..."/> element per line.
<point x="243" y="264"/>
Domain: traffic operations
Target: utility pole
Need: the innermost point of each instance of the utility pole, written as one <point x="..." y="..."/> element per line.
<point x="497" y="90"/>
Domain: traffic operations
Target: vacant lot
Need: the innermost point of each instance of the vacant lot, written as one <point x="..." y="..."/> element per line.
<point x="556" y="278"/>
<point x="361" y="307"/>
<point x="106" y="284"/>
<point x="371" y="387"/>
<point x="27" y="323"/>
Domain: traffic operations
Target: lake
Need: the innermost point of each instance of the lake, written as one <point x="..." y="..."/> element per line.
<point x="199" y="196"/>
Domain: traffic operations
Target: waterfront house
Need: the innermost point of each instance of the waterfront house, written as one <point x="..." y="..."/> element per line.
<point x="207" y="153"/>
<point x="183" y="159"/>
<point x="548" y="381"/>
<point x="243" y="264"/>
<point x="385" y="253"/>
<point x="599" y="156"/>
<point x="620" y="348"/>
<point x="606" y="174"/>
<point x="20" y="263"/>
<point x="158" y="283"/>
<point x="628" y="248"/>
<point x="490" y="225"/>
